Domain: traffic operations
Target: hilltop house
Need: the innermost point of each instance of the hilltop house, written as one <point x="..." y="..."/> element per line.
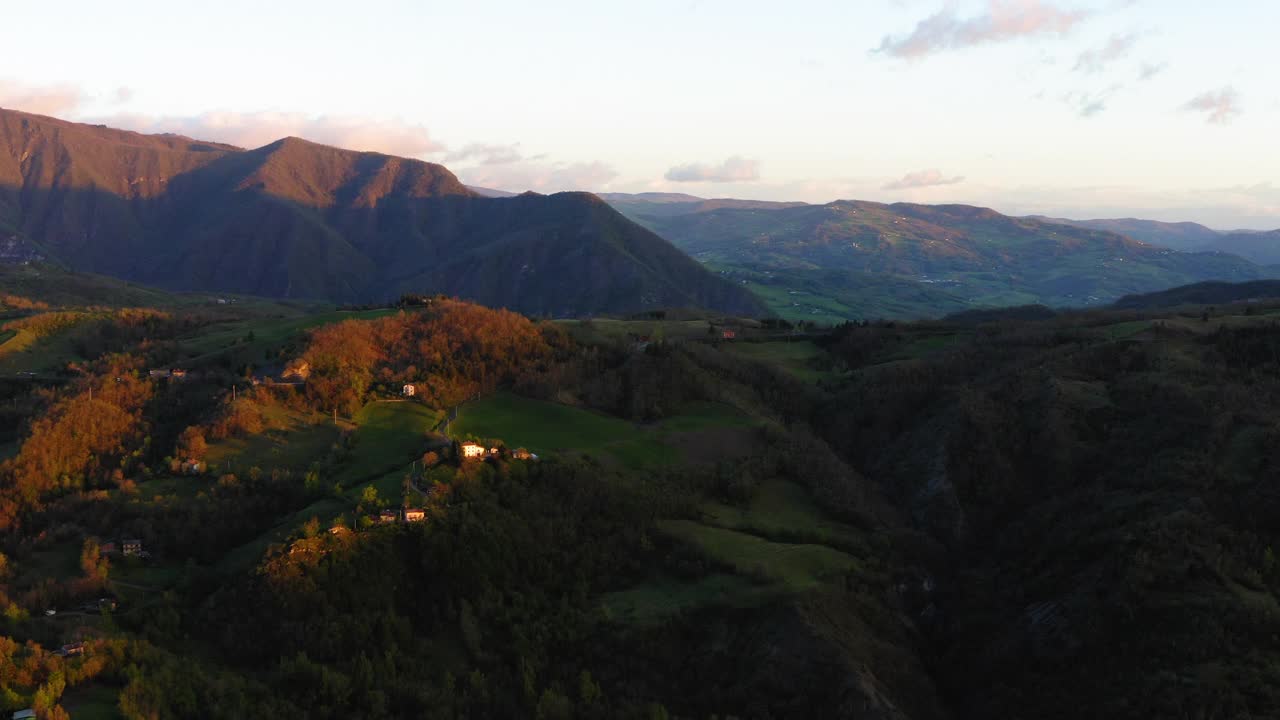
<point x="408" y="391"/>
<point x="472" y="450"/>
<point x="414" y="515"/>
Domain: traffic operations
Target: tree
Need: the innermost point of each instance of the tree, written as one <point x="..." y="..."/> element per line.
<point x="191" y="444"/>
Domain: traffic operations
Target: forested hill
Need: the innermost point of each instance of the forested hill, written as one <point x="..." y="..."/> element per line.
<point x="442" y="510"/>
<point x="1206" y="293"/>
<point x="859" y="260"/>
<point x="300" y="220"/>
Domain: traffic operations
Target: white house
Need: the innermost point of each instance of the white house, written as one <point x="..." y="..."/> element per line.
<point x="408" y="391"/>
<point x="472" y="450"/>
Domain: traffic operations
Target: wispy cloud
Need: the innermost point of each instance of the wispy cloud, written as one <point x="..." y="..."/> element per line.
<point x="41" y="100"/>
<point x="1220" y="106"/>
<point x="1096" y="59"/>
<point x="734" y="169"/>
<point x="486" y="154"/>
<point x="1003" y="21"/>
<point x="543" y="177"/>
<point x="923" y="179"/>
<point x="1088" y="104"/>
<point x="254" y="129"/>
<point x="1150" y="70"/>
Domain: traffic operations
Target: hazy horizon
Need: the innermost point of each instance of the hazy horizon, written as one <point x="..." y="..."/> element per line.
<point x="1082" y="110"/>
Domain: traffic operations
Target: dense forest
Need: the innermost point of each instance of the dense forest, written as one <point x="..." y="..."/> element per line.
<point x="1022" y="514"/>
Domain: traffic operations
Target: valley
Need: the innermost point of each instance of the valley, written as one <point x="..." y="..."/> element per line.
<point x="836" y="505"/>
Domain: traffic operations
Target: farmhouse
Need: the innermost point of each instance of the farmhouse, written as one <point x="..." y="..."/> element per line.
<point x="414" y="514"/>
<point x="160" y="373"/>
<point x="191" y="466"/>
<point x="132" y="548"/>
<point x="472" y="450"/>
<point x="72" y="649"/>
<point x="728" y="334"/>
<point x="408" y="391"/>
<point x="388" y="516"/>
<point x="177" y="373"/>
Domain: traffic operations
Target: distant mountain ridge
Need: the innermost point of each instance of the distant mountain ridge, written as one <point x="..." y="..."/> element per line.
<point x="302" y="220"/>
<point x="1176" y="236"/>
<point x="807" y="260"/>
<point x="1259" y="246"/>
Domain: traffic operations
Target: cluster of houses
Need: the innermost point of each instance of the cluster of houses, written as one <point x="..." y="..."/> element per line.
<point x="128" y="548"/>
<point x="472" y="450"/>
<point x="167" y="374"/>
<point x="407" y="515"/>
<point x="70" y="650"/>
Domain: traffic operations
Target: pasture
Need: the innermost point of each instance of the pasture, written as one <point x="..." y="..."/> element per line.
<point x="546" y="427"/>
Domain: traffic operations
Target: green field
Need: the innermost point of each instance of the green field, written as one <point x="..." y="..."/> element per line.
<point x="779" y="543"/>
<point x="293" y="440"/>
<point x="800" y="358"/>
<point x="388" y="436"/>
<point x="781" y="509"/>
<point x="25" y="351"/>
<point x="249" y="339"/>
<point x="1123" y="330"/>
<point x="790" y="566"/>
<point x="545" y="427"/>
<point x="602" y="329"/>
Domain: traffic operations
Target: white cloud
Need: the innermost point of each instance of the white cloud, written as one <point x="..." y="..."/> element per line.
<point x="41" y="100"/>
<point x="255" y="129"/>
<point x="1091" y="103"/>
<point x="734" y="169"/>
<point x="544" y="177"/>
<point x="1004" y="20"/>
<point x="1096" y="59"/>
<point x="1221" y="106"/>
<point x="1150" y="70"/>
<point x="923" y="179"/>
<point x="486" y="154"/>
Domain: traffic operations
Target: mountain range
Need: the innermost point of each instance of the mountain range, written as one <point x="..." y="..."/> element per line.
<point x="1262" y="247"/>
<point x="300" y="220"/>
<point x="851" y="259"/>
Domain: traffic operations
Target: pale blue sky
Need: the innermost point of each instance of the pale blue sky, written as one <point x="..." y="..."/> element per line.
<point x="1162" y="108"/>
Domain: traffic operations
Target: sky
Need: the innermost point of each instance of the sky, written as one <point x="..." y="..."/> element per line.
<point x="1164" y="109"/>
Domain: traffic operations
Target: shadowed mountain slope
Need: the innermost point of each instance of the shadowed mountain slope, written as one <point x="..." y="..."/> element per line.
<point x="298" y="219"/>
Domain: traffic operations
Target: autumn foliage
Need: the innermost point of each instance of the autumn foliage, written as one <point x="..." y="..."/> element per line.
<point x="80" y="438"/>
<point x="449" y="352"/>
